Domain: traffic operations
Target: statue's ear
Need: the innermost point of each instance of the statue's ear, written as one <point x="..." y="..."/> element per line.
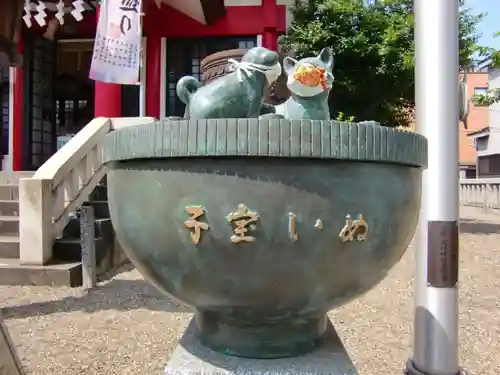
<point x="289" y="64"/>
<point x="326" y="57"/>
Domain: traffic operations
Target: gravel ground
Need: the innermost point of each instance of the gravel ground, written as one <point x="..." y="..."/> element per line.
<point x="126" y="327"/>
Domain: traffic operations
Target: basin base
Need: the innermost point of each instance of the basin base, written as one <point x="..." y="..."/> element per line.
<point x="242" y="336"/>
<point x="412" y="370"/>
<point x="192" y="358"/>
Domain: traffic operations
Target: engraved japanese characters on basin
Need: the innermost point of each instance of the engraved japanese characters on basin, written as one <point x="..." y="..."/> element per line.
<point x="245" y="219"/>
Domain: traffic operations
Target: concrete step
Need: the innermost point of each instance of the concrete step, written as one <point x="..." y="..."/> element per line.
<point x="12" y="272"/>
<point x="9" y="192"/>
<point x="102" y="228"/>
<point x="70" y="249"/>
<point x="9" y="226"/>
<point x="9" y="208"/>
<point x="100" y="193"/>
<point x="65" y="249"/>
<point x="12" y="178"/>
<point x="65" y="270"/>
<point x="101" y="209"/>
<point x="9" y="247"/>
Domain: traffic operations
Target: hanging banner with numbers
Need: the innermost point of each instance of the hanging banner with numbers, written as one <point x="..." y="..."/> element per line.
<point x="117" y="46"/>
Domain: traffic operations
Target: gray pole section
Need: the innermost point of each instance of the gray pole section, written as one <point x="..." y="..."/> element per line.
<point x="87" y="242"/>
<point x="437" y="110"/>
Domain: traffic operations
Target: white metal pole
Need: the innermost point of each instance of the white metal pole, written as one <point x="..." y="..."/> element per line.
<point x="142" y="79"/>
<point x="259" y="40"/>
<point x="87" y="242"/>
<point x="437" y="115"/>
<point x="9" y="167"/>
<point x="163" y="79"/>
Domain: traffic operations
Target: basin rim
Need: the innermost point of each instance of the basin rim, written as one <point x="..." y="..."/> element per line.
<point x="318" y="139"/>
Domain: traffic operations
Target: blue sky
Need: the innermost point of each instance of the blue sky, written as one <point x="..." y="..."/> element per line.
<point x="490" y="24"/>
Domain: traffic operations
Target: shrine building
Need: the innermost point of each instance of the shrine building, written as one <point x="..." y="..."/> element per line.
<point x="46" y="95"/>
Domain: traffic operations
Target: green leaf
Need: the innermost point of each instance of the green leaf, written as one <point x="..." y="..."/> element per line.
<point x="487" y="99"/>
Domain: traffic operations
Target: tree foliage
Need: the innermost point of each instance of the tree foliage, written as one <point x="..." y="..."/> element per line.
<point x="488" y="98"/>
<point x="374" y="52"/>
<point x="491" y="96"/>
<point x="491" y="53"/>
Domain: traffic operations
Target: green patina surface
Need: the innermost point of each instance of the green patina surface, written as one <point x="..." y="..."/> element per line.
<point x="314" y="107"/>
<point x="267" y="298"/>
<point x="236" y="95"/>
<point x="262" y="288"/>
<point x="366" y="141"/>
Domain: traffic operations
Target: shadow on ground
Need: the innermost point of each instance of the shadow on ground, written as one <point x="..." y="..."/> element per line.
<point x="124" y="295"/>
<point x="478" y="227"/>
<point x="116" y="294"/>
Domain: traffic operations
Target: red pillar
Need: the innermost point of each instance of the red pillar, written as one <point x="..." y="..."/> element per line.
<point x="270" y="32"/>
<point x="153" y="75"/>
<point x="270" y="39"/>
<point x="107" y="96"/>
<point x="17" y="113"/>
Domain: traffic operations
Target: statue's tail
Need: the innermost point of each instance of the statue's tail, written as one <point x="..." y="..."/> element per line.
<point x="186" y="87"/>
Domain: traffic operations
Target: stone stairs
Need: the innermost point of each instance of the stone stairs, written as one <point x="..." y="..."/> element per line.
<point x="65" y="267"/>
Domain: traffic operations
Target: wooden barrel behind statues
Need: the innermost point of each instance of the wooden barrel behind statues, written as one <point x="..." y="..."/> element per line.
<point x="217" y="65"/>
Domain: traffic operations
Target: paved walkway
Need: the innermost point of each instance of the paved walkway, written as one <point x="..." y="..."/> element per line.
<point x="126" y="327"/>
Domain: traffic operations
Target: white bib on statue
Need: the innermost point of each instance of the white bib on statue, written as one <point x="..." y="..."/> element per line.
<point x="309" y="80"/>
